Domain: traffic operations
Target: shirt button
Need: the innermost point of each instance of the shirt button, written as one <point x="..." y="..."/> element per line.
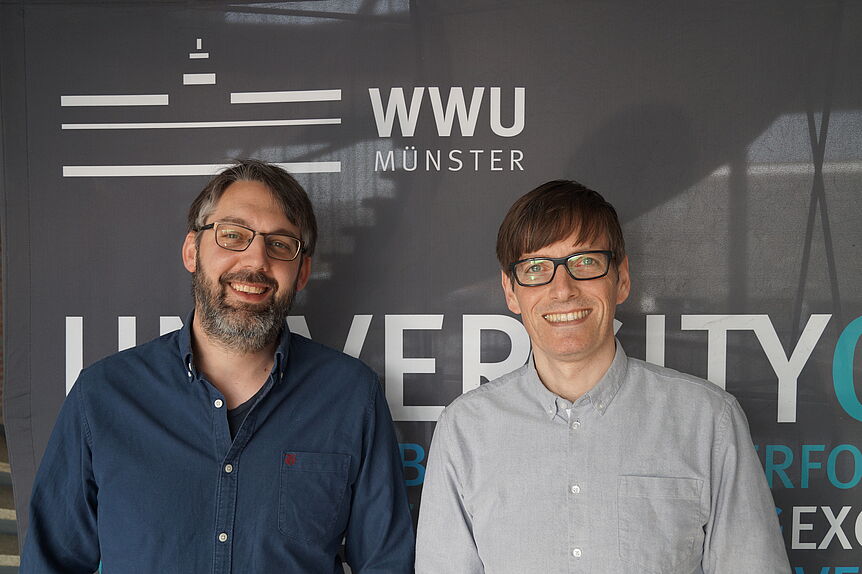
<point x="222" y="537"/>
<point x="576" y="425"/>
<point x="228" y="468"/>
<point x="218" y="403"/>
<point x="576" y="489"/>
<point x="576" y="552"/>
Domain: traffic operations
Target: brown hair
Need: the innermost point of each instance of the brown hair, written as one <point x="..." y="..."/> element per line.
<point x="285" y="189"/>
<point x="551" y="213"/>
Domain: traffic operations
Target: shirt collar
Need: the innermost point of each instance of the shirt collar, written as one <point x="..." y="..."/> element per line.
<point x="600" y="396"/>
<point x="185" y="343"/>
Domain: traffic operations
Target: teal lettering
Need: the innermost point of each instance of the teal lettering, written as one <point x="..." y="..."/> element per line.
<point x="772" y="468"/>
<point x="857" y="466"/>
<point x="413" y="463"/>
<point x="842" y="369"/>
<point x="807" y="463"/>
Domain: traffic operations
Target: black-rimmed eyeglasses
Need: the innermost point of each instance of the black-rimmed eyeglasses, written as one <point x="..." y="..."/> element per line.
<point x="235" y="237"/>
<point x="582" y="266"/>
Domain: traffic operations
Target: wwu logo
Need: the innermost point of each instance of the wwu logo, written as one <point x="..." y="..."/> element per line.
<point x="445" y="113"/>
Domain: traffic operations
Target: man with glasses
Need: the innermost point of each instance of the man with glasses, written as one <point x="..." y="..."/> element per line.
<point x="231" y="445"/>
<point x="585" y="460"/>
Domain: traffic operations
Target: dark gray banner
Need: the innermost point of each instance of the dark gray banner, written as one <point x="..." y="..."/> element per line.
<point x="728" y="135"/>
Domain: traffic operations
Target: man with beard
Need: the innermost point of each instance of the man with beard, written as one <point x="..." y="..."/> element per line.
<point x="231" y="445"/>
<point x="586" y="460"/>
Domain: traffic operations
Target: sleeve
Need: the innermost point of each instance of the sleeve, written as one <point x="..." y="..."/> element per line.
<point x="445" y="543"/>
<point x="62" y="537"/>
<point x="742" y="531"/>
<point x="379" y="537"/>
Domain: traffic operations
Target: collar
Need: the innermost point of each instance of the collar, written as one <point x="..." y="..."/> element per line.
<point x="600" y="396"/>
<point x="185" y="344"/>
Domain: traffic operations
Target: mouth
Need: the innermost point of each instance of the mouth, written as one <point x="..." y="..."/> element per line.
<point x="566" y="317"/>
<point x="249" y="288"/>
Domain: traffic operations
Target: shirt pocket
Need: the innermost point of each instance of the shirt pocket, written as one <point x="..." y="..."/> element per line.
<point x="660" y="523"/>
<point x="311" y="489"/>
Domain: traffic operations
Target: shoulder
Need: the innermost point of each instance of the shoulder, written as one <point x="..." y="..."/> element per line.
<point x="307" y="358"/>
<point x="489" y="398"/>
<point x="303" y="349"/>
<point x="670" y="385"/>
<point x="150" y="357"/>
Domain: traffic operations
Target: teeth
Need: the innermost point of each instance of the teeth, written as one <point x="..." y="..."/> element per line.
<point x="563" y="317"/>
<point x="248" y="288"/>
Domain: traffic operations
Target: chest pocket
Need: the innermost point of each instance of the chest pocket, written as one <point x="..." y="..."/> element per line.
<point x="312" y="486"/>
<point x="660" y="523"/>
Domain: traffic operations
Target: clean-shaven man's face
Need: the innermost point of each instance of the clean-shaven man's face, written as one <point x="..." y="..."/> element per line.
<point x="569" y="320"/>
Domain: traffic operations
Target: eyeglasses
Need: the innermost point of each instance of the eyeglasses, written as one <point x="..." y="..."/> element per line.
<point x="235" y="237"/>
<point x="582" y="266"/>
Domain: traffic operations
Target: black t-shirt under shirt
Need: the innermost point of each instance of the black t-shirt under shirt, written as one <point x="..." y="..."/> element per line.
<point x="236" y="415"/>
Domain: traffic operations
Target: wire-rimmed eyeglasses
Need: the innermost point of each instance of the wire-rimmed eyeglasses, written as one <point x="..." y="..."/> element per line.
<point x="236" y="237"/>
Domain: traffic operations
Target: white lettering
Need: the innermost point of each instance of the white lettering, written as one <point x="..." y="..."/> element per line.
<point x="381" y="165"/>
<point x="496" y="159"/>
<point x="476" y="153"/>
<point x="473" y="367"/>
<point x="397" y="365"/>
<point x="799" y="526"/>
<point x="455" y="158"/>
<point x="456" y="104"/>
<point x="787" y="370"/>
<point x="126" y="332"/>
<point x="518" y="116"/>
<point x="74" y="350"/>
<point x="835" y="527"/>
<point x="168" y="324"/>
<point x="396" y="104"/>
<point x="516" y="157"/>
<point x="655" y="333"/>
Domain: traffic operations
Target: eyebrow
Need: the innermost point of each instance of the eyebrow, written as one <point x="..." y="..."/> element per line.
<point x="241" y="221"/>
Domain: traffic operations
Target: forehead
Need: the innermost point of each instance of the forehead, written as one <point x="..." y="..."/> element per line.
<point x="250" y="202"/>
<point x="577" y="240"/>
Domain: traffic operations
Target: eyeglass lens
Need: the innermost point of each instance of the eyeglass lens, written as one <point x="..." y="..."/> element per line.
<point x="237" y="238"/>
<point x="580" y="266"/>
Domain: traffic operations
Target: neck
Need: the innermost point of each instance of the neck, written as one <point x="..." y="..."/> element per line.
<point x="238" y="375"/>
<point x="570" y="379"/>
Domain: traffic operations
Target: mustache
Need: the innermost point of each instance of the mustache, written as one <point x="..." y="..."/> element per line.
<point x="249" y="277"/>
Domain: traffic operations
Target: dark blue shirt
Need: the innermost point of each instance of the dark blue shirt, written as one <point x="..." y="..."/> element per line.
<point x="141" y="472"/>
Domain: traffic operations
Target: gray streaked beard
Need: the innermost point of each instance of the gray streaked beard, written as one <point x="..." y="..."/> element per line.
<point x="242" y="328"/>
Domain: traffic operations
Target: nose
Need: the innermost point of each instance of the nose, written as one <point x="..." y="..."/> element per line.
<point x="255" y="254"/>
<point x="562" y="287"/>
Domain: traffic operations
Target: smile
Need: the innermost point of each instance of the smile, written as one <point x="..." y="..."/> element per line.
<point x="566" y="317"/>
<point x="248" y="288"/>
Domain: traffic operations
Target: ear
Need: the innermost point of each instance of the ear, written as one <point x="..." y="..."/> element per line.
<point x="624" y="282"/>
<point x="304" y="273"/>
<point x="190" y="251"/>
<point x="509" y="292"/>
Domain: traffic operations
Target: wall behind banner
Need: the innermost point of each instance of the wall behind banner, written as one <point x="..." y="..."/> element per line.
<point x="728" y="134"/>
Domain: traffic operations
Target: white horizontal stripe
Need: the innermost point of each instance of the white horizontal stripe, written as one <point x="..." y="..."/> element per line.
<point x="190" y="169"/>
<point x="178" y="125"/>
<point x="802" y="168"/>
<point x="121" y="100"/>
<point x="198" y="79"/>
<point x="290" y="96"/>
<point x="199" y="55"/>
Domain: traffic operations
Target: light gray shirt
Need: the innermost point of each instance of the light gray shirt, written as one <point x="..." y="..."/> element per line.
<point x="651" y="471"/>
